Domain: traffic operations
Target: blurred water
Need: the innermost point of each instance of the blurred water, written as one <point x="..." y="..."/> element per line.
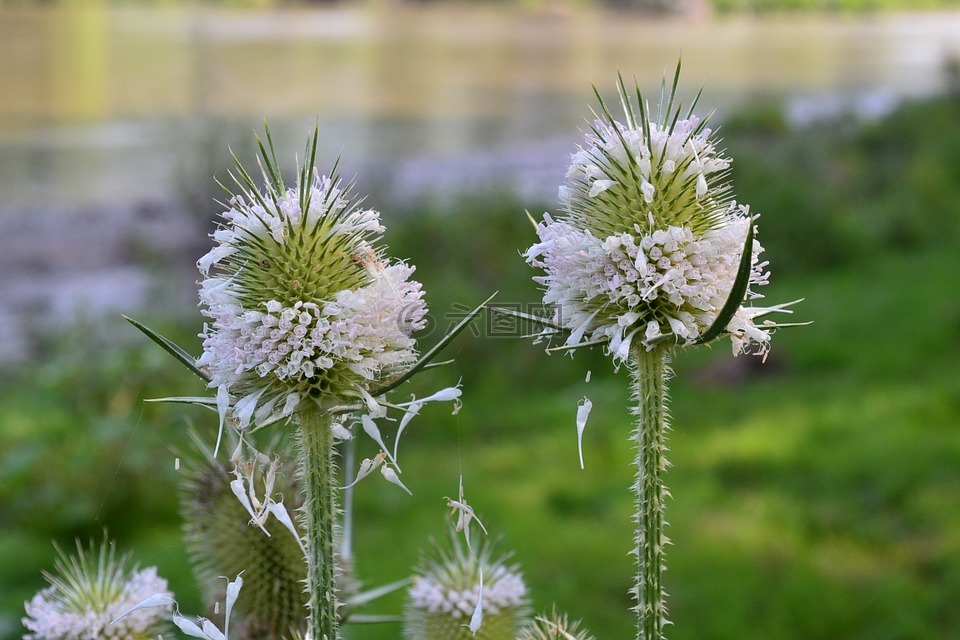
<point x="113" y="120"/>
<point x="99" y="104"/>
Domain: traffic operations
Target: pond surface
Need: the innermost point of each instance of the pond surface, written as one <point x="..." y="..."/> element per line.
<point x="102" y="104"/>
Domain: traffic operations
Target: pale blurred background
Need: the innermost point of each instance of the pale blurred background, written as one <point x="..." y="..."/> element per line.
<point x="818" y="497"/>
<point x="113" y="119"/>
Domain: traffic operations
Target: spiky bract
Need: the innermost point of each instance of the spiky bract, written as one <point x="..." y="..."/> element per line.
<point x="446" y="589"/>
<point x="301" y="300"/>
<point x="88" y="591"/>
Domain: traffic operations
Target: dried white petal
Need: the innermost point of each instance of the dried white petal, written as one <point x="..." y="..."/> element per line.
<point x="391" y="476"/>
<point x="583" y="412"/>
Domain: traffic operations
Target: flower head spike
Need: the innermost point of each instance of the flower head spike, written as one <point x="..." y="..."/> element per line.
<point x="88" y="592"/>
<point x="301" y="301"/>
<point x="450" y="589"/>
<point x="650" y="244"/>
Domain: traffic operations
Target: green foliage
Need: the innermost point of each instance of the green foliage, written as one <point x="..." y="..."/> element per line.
<point x="814" y="496"/>
<point x="80" y="453"/>
<point x="837" y="194"/>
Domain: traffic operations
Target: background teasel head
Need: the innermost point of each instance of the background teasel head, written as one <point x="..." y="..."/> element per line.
<point x="446" y="589"/>
<point x="650" y="244"/>
<point x="221" y="542"/>
<point x="554" y="626"/>
<point x="300" y="299"/>
<point x="88" y="592"/>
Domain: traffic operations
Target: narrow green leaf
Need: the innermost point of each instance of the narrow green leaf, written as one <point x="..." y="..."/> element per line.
<point x="527" y="316"/>
<point x="203" y="401"/>
<point x="783" y="307"/>
<point x="342" y="409"/>
<point x="541" y="334"/>
<point x="737" y="292"/>
<point x="370" y="595"/>
<point x="661" y="339"/>
<point x="784" y="325"/>
<point x="432" y="353"/>
<point x="570" y="347"/>
<point x="170" y="347"/>
<point x="434" y="365"/>
<point x="531" y="219"/>
<point x="371" y="619"/>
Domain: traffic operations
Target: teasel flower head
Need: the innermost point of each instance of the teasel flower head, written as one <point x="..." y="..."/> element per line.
<point x="221" y="542"/>
<point x="449" y="590"/>
<point x="301" y="301"/>
<point x="88" y="592"/>
<point x="650" y="247"/>
<point x="554" y="626"/>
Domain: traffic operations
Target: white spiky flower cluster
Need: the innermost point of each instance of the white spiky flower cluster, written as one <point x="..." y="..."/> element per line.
<point x="87" y="595"/>
<point x="649" y="244"/>
<point x="301" y="303"/>
<point x="645" y="287"/>
<point x="466" y="594"/>
<point x="502" y="590"/>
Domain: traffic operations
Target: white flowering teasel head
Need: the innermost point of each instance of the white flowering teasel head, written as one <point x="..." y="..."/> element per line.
<point x="301" y="301"/>
<point x="650" y="246"/>
<point x="88" y="592"/>
<point x="442" y="602"/>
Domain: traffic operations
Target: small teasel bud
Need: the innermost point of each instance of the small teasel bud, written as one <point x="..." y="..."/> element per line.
<point x="88" y="595"/>
<point x="554" y="626"/>
<point x="450" y="589"/>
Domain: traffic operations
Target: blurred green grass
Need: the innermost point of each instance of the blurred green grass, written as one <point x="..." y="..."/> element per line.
<point x="815" y="496"/>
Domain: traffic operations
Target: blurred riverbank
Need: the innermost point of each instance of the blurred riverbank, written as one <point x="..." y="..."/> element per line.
<point x="114" y="120"/>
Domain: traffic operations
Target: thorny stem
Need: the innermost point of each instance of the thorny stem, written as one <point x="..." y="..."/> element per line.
<point x="650" y="371"/>
<point x="318" y="474"/>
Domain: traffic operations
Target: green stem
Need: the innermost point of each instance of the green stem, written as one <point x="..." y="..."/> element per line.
<point x="650" y="371"/>
<point x="318" y="474"/>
